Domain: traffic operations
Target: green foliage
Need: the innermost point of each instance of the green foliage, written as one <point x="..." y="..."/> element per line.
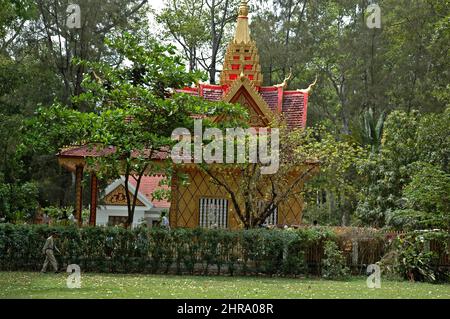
<point x="372" y="133"/>
<point x="270" y="252"/>
<point x="426" y="201"/>
<point x="201" y="28"/>
<point x="329" y="193"/>
<point x="203" y="251"/>
<point x="12" y="14"/>
<point x="411" y="143"/>
<point x="415" y="260"/>
<point x="136" y="111"/>
<point x="186" y="22"/>
<point x="334" y="264"/>
<point x="18" y="202"/>
<point x="429" y="189"/>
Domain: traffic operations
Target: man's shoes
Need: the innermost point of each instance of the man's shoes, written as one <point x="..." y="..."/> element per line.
<point x="56" y="271"/>
<point x="43" y="272"/>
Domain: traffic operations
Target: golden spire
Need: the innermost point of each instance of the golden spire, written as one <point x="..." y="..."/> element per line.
<point x="241" y="58"/>
<point x="242" y="34"/>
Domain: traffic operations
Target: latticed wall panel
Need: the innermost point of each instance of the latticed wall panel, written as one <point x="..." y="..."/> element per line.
<point x="185" y="207"/>
<point x="290" y="211"/>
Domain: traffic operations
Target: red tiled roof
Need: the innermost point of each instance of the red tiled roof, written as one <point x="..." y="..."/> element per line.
<point x="87" y="151"/>
<point x="294" y="108"/>
<point x="270" y="95"/>
<point x="293" y="104"/>
<point x="191" y="91"/>
<point x="150" y="184"/>
<point x="212" y="92"/>
<point x="97" y="151"/>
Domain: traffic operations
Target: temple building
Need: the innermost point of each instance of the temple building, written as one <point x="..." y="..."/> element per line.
<point x="202" y="203"/>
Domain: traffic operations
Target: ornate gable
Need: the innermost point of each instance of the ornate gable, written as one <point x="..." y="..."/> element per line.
<point x="245" y="93"/>
<point x="118" y="198"/>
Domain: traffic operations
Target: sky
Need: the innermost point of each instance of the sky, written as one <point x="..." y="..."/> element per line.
<point x="156" y="4"/>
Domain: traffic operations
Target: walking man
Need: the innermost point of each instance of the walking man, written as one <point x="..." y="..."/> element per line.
<point x="47" y="250"/>
<point x="164" y="221"/>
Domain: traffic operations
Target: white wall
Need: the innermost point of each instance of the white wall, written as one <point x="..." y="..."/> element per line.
<point x="103" y="213"/>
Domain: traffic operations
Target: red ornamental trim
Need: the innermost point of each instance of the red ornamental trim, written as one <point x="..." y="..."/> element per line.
<point x="189" y="89"/>
<point x="280" y="99"/>
<point x="94" y="191"/>
<point x="305" y="109"/>
<point x="211" y="86"/>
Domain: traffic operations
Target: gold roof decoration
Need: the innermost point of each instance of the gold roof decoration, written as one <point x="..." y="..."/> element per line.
<point x="242" y="55"/>
<point x="244" y="84"/>
<point x="284" y="85"/>
<point x="308" y="90"/>
<point x="242" y="33"/>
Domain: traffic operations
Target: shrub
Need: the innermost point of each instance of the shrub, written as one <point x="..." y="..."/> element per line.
<point x="333" y="265"/>
<point x="415" y="261"/>
<point x="256" y="251"/>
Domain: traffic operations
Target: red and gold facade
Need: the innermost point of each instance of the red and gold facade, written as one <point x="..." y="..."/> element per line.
<point x="241" y="81"/>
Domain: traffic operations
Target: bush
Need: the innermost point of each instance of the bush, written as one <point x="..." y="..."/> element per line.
<point x="333" y="265"/>
<point x="415" y="261"/>
<point x="156" y="250"/>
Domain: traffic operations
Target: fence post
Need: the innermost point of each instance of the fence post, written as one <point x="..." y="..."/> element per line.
<point x="355" y="252"/>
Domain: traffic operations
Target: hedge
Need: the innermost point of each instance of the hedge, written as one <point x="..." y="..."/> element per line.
<point x="190" y="251"/>
<point x="180" y="251"/>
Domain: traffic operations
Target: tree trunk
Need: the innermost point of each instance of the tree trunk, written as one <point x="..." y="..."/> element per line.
<point x="213" y="70"/>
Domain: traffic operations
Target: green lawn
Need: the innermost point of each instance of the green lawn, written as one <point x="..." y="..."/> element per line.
<point x="36" y="285"/>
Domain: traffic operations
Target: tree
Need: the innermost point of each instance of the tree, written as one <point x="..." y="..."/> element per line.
<point x="186" y="22"/>
<point x="425" y="201"/>
<point x="36" y="49"/>
<point x="408" y="139"/>
<point x="13" y="16"/>
<point x="302" y="153"/>
<point x="372" y="132"/>
<point x="61" y="44"/>
<point x="395" y="67"/>
<point x="136" y="111"/>
<point x="208" y="26"/>
<point x="18" y="197"/>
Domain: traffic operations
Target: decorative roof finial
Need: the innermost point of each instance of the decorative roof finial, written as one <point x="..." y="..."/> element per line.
<point x="285" y="82"/>
<point x="242" y="34"/>
<point x="243" y="8"/>
<point x="309" y="87"/>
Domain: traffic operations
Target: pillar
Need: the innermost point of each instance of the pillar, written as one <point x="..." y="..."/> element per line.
<point x="173" y="211"/>
<point x="355" y="250"/>
<point x="79" y="194"/>
<point x="94" y="192"/>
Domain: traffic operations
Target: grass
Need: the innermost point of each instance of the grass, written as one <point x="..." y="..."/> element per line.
<point x="36" y="285"/>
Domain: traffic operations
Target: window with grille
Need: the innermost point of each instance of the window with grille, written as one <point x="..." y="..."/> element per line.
<point x="273" y="218"/>
<point x="213" y="213"/>
<point x="117" y="220"/>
